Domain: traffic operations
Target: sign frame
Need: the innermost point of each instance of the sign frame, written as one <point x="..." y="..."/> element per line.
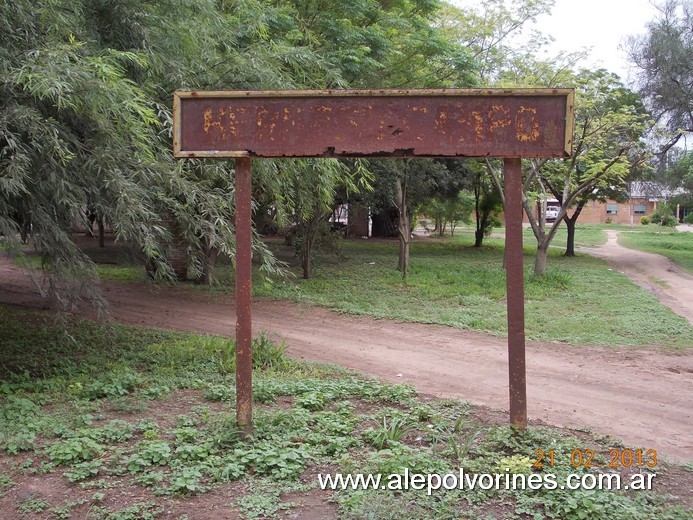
<point x="512" y="166"/>
<point x="375" y="98"/>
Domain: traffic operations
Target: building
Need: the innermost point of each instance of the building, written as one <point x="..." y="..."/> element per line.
<point x="643" y="199"/>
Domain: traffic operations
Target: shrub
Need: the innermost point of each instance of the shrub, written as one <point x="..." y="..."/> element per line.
<point x="689" y="218"/>
<point x="113" y="384"/>
<point x="645" y="220"/>
<point x="664" y="216"/>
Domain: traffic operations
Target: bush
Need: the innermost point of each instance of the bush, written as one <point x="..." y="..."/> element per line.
<point x="689" y="218"/>
<point x="645" y="220"/>
<point x="664" y="216"/>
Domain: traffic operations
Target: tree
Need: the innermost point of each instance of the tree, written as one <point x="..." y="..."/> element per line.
<point x="610" y="122"/>
<point x="488" y="202"/>
<point x="308" y="189"/>
<point x="449" y="210"/>
<point x="492" y="32"/>
<point x="663" y="57"/>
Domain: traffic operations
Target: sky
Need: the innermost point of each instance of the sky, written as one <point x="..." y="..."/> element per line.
<point x="601" y="25"/>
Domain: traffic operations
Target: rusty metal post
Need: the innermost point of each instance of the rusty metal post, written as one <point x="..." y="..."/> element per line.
<point x="516" y="292"/>
<point x="244" y="367"/>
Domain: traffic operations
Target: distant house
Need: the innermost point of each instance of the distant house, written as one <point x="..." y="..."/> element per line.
<point x="643" y="199"/>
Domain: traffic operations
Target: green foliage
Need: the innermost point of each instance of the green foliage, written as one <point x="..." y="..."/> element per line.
<point x="113" y="384"/>
<point x="665" y="70"/>
<point x="186" y="481"/>
<point x="138" y="511"/>
<point x="33" y="505"/>
<point x="279" y="461"/>
<point x="148" y="453"/>
<point x="438" y="291"/>
<point x="83" y="470"/>
<point x="645" y="220"/>
<point x="389" y="434"/>
<point x="74" y="450"/>
<point x="187" y="454"/>
<point x="664" y="216"/>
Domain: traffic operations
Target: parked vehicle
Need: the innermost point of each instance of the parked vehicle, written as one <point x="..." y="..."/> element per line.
<point x="551" y="214"/>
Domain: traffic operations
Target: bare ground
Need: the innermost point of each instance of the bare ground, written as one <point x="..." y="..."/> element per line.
<point x="641" y="396"/>
<point x="654" y="273"/>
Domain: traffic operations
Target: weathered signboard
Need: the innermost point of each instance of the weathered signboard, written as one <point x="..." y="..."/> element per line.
<point x="508" y="124"/>
<point x="376" y="123"/>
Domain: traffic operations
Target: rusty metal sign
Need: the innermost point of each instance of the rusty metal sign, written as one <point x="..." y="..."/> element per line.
<point x="374" y="123"/>
<point x="508" y="124"/>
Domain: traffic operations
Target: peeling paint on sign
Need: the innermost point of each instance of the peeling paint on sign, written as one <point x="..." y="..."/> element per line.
<point x="433" y="123"/>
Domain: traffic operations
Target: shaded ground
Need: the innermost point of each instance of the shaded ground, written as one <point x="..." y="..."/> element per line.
<point x="654" y="273"/>
<point x="640" y="396"/>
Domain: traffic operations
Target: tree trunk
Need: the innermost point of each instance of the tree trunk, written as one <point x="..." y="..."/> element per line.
<point x="403" y="226"/>
<point x="540" y="259"/>
<point x="404" y="258"/>
<point x="209" y="261"/>
<point x="479" y="233"/>
<point x="478" y="237"/>
<point x="102" y="231"/>
<point x="570" y="225"/>
<point x="309" y="231"/>
<point x="570" y="244"/>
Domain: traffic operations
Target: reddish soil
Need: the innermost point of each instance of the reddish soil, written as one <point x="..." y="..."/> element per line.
<point x="641" y="396"/>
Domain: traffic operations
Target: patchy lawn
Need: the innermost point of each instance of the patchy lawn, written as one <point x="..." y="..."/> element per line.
<point x="113" y="422"/>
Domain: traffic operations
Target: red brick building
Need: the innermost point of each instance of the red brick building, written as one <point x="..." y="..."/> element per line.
<point x="644" y="197"/>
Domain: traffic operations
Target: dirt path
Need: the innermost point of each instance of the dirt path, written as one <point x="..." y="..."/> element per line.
<point x="654" y="273"/>
<point x="643" y="397"/>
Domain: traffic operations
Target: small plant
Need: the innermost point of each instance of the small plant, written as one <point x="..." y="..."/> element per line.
<point x="389" y="434"/>
<point x="267" y="354"/>
<point x="140" y="511"/>
<point x="278" y="461"/>
<point x="115" y="431"/>
<point x="156" y="391"/>
<point x="516" y="465"/>
<point x="21" y="441"/>
<point x="127" y="404"/>
<point x="645" y="220"/>
<point x="312" y="401"/>
<point x="220" y="393"/>
<point x="149" y="478"/>
<point x="113" y="384"/>
<point x="73" y="451"/>
<point x="83" y="470"/>
<point x="190" y="452"/>
<point x="5" y="483"/>
<point x="459" y="449"/>
<point x="33" y="503"/>
<point x="65" y="511"/>
<point x="186" y="481"/>
<point x="148" y="453"/>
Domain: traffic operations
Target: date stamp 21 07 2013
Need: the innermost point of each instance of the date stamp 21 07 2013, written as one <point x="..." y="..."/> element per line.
<point x="617" y="458"/>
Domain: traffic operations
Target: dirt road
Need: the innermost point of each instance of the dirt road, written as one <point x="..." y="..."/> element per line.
<point x="643" y="397"/>
<point x="654" y="273"/>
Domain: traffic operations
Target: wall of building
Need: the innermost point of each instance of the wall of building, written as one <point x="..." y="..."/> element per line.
<point x="596" y="212"/>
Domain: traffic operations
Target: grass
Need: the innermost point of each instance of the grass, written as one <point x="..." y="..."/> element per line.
<point x="117" y="422"/>
<point x="675" y="245"/>
<point x="585" y="236"/>
<point x="578" y="301"/>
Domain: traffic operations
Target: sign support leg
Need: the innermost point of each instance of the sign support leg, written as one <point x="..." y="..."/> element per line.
<point x="515" y="292"/>
<point x="244" y="367"/>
